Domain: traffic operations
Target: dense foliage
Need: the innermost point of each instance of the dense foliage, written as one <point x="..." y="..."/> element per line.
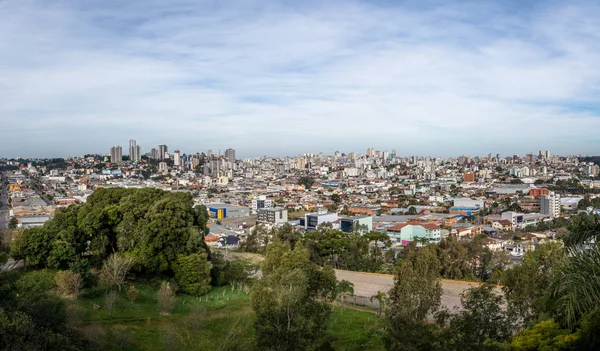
<point x="151" y="226"/>
<point x="290" y="300"/>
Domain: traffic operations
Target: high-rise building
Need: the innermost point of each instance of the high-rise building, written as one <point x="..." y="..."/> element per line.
<point x="176" y="158"/>
<point x="209" y="154"/>
<point x="230" y="155"/>
<point x="134" y="151"/>
<point x="155" y="154"/>
<point x="548" y="154"/>
<point x="116" y="154"/>
<point x="550" y="204"/>
<point x="162" y="149"/>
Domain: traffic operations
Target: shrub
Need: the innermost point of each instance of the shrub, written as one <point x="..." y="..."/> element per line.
<point x="192" y="273"/>
<point x="166" y="298"/>
<point x="69" y="284"/>
<point x="132" y="293"/>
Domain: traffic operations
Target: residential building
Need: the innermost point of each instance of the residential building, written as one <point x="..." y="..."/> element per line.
<point x="261" y="202"/>
<point x="550" y="204"/>
<point x="116" y="154"/>
<point x="276" y="215"/>
<point x="230" y="155"/>
<point x="162" y="150"/>
<point x="177" y="158"/>
<point x="134" y="151"/>
<point x="406" y="233"/>
<point x="162" y="167"/>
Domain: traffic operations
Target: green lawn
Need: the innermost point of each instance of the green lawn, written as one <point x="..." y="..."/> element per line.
<point x="201" y="323"/>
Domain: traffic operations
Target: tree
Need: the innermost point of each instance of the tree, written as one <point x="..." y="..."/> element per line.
<point x="307" y="181"/>
<point x="482" y="322"/>
<point x="115" y="269"/>
<point x="343" y="288"/>
<point x="192" y="273"/>
<point x="18" y="246"/>
<point x="166" y="298"/>
<point x="336" y="198"/>
<point x="381" y="299"/>
<point x="290" y="299"/>
<point x="527" y="287"/>
<point x="69" y="283"/>
<point x="412" y="211"/>
<point x="13" y="223"/>
<point x="416" y="293"/>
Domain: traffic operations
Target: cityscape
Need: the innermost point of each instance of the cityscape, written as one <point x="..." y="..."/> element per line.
<point x="356" y="175"/>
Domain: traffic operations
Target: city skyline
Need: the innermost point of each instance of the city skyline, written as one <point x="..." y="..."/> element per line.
<point x="284" y="78"/>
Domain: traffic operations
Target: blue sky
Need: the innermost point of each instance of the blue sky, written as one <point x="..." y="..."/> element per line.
<point x="288" y="77"/>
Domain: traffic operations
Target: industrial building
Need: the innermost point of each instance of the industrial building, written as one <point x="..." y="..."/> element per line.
<point x="222" y="211"/>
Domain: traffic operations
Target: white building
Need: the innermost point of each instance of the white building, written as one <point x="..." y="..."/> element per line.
<point x="261" y="202"/>
<point x="275" y="215"/>
<point x="550" y="204"/>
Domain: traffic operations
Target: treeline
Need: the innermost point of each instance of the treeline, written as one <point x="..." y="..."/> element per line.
<point x="151" y="226"/>
<point x="549" y="302"/>
<point x="371" y="252"/>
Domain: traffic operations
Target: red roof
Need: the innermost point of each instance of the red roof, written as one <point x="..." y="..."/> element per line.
<point x="397" y="228"/>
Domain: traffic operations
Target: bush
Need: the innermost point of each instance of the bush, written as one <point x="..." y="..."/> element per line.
<point x="166" y="298"/>
<point x="132" y="293"/>
<point x="69" y="284"/>
<point x="84" y="269"/>
<point x="192" y="273"/>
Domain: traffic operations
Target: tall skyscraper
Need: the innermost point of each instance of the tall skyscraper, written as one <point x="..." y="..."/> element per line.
<point x="230" y="155"/>
<point x="209" y="154"/>
<point x="162" y="149"/>
<point x="116" y="154"/>
<point x="176" y="158"/>
<point x="134" y="151"/>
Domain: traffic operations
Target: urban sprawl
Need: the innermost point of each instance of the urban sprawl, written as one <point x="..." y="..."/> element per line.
<point x="517" y="202"/>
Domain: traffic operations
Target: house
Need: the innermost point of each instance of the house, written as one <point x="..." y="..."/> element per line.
<point x="406" y="233"/>
<point x="493" y="244"/>
<point x="502" y="224"/>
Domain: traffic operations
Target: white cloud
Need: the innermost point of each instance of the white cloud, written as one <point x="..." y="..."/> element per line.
<point x="269" y="77"/>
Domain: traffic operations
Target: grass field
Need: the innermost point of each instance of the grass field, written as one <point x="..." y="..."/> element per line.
<point x="221" y="320"/>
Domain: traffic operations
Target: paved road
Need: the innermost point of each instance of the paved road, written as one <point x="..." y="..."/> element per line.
<point x="4" y="209"/>
<point x="367" y="285"/>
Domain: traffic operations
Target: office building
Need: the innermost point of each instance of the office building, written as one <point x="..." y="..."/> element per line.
<point x="550" y="204"/>
<point x="275" y="215"/>
<point x="230" y="155"/>
<point x="116" y="154"/>
<point x="312" y="220"/>
<point x="363" y="224"/>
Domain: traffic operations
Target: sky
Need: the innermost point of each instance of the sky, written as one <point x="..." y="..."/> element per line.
<point x="439" y="78"/>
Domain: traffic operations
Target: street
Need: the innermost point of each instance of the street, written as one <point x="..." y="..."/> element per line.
<point x="4" y="207"/>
